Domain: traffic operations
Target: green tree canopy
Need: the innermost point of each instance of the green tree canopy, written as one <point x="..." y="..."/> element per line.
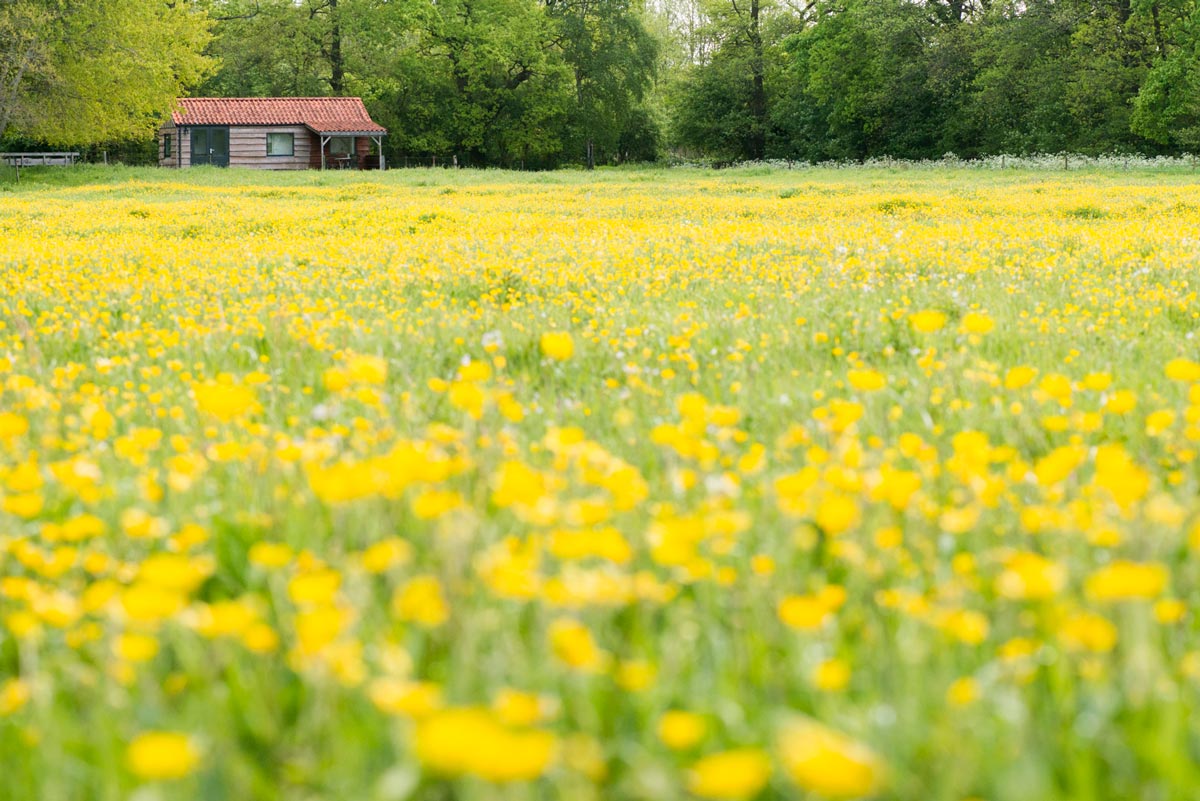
<point x="75" y="72"/>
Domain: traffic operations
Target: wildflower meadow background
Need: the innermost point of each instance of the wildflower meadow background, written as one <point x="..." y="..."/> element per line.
<point x="635" y="485"/>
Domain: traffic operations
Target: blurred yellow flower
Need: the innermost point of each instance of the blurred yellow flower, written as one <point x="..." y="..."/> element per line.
<point x="421" y="600"/>
<point x="413" y="699"/>
<point x="14" y="694"/>
<point x="1124" y="581"/>
<point x="572" y="643"/>
<point x="978" y="323"/>
<point x="1183" y="370"/>
<point x="928" y="321"/>
<point x="730" y="775"/>
<point x="557" y="345"/>
<point x="866" y="380"/>
<point x="1087" y="631"/>
<point x="963" y="691"/>
<point x="827" y="763"/>
<point x="466" y="740"/>
<point x="162" y="755"/>
<point x="1029" y="576"/>
<point x="681" y="730"/>
<point x="832" y="675"/>
<point x="225" y="402"/>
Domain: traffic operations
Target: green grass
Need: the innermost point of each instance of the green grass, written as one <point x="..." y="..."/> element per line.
<point x="770" y="293"/>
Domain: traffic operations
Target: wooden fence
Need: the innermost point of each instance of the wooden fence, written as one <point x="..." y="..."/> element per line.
<point x="40" y="159"/>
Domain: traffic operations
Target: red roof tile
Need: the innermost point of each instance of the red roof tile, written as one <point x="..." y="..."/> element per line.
<point x="322" y="114"/>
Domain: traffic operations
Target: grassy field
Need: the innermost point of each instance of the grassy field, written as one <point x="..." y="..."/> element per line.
<point x="634" y="485"/>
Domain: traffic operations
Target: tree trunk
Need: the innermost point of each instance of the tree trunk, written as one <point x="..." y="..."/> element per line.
<point x="1158" y="32"/>
<point x="756" y="146"/>
<point x="337" y="66"/>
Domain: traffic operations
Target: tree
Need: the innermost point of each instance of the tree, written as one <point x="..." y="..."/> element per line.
<point x="481" y="80"/>
<point x="721" y="106"/>
<point x="1167" y="107"/>
<point x="75" y="72"/>
<point x="305" y="47"/>
<point x="612" y="58"/>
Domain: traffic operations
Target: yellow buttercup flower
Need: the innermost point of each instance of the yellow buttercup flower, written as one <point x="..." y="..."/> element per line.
<point x="730" y="775"/>
<point x="422" y="601"/>
<point x="832" y="675"/>
<point x="470" y="741"/>
<point x="557" y="345"/>
<point x="1019" y="376"/>
<point x="414" y="699"/>
<point x="866" y="380"/>
<point x="1183" y="370"/>
<point x="827" y="763"/>
<point x="162" y="755"/>
<point x="1030" y="577"/>
<point x="927" y="322"/>
<point x="978" y="323"/>
<point x="1087" y="631"/>
<point x="225" y="402"/>
<point x="681" y="730"/>
<point x="572" y="643"/>
<point x="516" y="708"/>
<point x="363" y="369"/>
<point x="1126" y="581"/>
<point x="963" y="691"/>
<point x="14" y="694"/>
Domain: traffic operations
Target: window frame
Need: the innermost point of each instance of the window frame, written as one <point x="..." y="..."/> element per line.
<point x="291" y="139"/>
<point x="168" y="150"/>
<point x="351" y="144"/>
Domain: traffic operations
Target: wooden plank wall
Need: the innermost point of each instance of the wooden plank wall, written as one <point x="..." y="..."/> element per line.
<point x="248" y="148"/>
<point x="178" y="140"/>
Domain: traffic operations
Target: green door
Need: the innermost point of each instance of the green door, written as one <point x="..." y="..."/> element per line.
<point x="210" y="146"/>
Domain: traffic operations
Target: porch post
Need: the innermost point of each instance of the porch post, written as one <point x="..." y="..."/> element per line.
<point x="324" y="141"/>
<point x="379" y="144"/>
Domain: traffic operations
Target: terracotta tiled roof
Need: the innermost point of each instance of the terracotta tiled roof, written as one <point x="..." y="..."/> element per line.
<point x="322" y="114"/>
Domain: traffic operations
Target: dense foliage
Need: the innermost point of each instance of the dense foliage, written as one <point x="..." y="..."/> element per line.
<point x="867" y="78"/>
<point x="81" y="71"/>
<point x="548" y="82"/>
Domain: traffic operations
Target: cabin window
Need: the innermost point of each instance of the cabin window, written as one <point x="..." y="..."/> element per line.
<point x="166" y="145"/>
<point x="341" y="145"/>
<point x="281" y="144"/>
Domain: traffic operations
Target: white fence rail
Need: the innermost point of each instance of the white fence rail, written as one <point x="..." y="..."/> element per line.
<point x="40" y="159"/>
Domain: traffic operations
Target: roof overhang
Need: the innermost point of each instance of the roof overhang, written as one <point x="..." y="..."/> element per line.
<point x="345" y="133"/>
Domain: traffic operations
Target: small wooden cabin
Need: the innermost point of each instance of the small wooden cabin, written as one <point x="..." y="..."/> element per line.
<point x="272" y="133"/>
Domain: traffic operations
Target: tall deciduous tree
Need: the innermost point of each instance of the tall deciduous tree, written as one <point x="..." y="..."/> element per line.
<point x="611" y="57"/>
<point x="305" y="47"/>
<point x="1167" y="107"/>
<point x="480" y="80"/>
<point x="74" y="72"/>
<point x="723" y="104"/>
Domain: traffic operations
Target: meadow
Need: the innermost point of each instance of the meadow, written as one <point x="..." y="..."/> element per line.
<point x="749" y="484"/>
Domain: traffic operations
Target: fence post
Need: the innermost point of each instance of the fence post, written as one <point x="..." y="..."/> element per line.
<point x="1066" y="166"/>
